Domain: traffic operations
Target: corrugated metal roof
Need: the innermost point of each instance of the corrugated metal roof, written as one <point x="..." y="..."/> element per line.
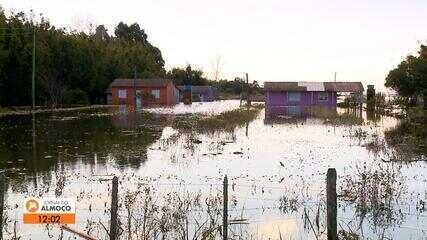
<point x="146" y="82"/>
<point x="283" y="86"/>
<point x="344" y="86"/>
<point x="313" y="86"/>
<point x="310" y="86"/>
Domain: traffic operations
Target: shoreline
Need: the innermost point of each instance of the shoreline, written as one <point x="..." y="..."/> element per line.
<point x="8" y="111"/>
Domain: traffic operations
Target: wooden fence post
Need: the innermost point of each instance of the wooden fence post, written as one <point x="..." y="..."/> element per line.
<point x="331" y="199"/>
<point x="225" y="209"/>
<point x="2" y="190"/>
<point x="114" y="207"/>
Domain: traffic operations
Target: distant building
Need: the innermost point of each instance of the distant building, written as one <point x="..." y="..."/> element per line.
<point x="201" y="93"/>
<point x="148" y="92"/>
<point x="294" y="97"/>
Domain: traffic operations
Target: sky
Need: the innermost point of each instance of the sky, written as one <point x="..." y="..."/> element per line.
<point x="271" y="40"/>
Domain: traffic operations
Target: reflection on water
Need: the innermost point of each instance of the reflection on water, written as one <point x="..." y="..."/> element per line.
<point x="276" y="169"/>
<point x="211" y="108"/>
<point x="39" y="144"/>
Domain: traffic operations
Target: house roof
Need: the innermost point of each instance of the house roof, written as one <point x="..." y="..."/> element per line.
<point x="314" y="86"/>
<point x="344" y="86"/>
<point x="146" y="82"/>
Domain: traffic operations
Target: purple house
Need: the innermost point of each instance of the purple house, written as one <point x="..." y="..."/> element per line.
<point x="295" y="97"/>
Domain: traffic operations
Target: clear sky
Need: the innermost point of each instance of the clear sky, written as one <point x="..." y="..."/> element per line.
<point x="272" y="40"/>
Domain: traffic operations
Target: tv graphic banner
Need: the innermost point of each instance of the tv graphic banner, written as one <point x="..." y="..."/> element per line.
<point x="49" y="211"/>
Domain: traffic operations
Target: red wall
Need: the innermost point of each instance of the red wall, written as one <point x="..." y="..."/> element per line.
<point x="129" y="100"/>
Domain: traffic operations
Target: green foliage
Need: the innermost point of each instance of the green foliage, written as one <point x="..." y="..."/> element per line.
<point x="225" y="121"/>
<point x="237" y="87"/>
<point x="75" y="97"/>
<point x="331" y="116"/>
<point x="188" y="76"/>
<point x="370" y="93"/>
<point x="370" y="97"/>
<point x="380" y="101"/>
<point x="409" y="137"/>
<point x="345" y="235"/>
<point x="409" y="78"/>
<point x="69" y="60"/>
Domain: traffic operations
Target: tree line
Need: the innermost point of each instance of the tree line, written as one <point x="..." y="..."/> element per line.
<point x="75" y="67"/>
<point x="190" y="76"/>
<point x="71" y="67"/>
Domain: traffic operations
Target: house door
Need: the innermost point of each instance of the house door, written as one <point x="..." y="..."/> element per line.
<point x="138" y="99"/>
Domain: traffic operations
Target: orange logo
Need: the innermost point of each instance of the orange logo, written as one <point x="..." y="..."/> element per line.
<point x="32" y="206"/>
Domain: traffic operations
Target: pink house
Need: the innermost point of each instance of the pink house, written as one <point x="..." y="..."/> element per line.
<point x="295" y="97"/>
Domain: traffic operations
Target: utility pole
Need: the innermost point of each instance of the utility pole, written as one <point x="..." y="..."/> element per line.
<point x="335" y="76"/>
<point x="242" y="90"/>
<point x="248" y="100"/>
<point x="33" y="77"/>
<point x="134" y="88"/>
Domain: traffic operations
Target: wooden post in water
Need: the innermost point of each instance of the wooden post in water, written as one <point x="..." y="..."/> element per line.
<point x="2" y="190"/>
<point x="225" y="209"/>
<point x="248" y="91"/>
<point x="114" y="207"/>
<point x="331" y="200"/>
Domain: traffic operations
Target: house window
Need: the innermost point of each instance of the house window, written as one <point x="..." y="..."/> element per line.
<point x="156" y="93"/>
<point x="294" y="110"/>
<point x="294" y="96"/>
<point x="323" y="96"/>
<point x="122" y="93"/>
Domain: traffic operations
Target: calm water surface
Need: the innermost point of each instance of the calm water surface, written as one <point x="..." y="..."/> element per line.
<point x="276" y="170"/>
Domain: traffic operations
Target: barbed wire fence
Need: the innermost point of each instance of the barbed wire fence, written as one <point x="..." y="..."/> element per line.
<point x="111" y="209"/>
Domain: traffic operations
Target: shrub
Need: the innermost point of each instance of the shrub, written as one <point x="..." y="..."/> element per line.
<point x="76" y="96"/>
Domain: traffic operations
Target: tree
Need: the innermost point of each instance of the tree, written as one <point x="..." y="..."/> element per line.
<point x="101" y="33"/>
<point x="69" y="62"/>
<point x="409" y="78"/>
<point x="188" y="76"/>
<point x="130" y="33"/>
<point x="216" y="68"/>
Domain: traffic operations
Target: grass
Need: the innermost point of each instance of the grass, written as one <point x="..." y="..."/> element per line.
<point x="331" y="116"/>
<point x="225" y="121"/>
<point x="375" y="193"/>
<point x="25" y="110"/>
<point x="409" y="137"/>
<point x="347" y="235"/>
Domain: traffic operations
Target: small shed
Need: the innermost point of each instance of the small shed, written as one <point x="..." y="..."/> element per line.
<point x="201" y="93"/>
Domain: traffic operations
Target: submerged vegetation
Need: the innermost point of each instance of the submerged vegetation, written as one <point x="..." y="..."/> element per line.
<point x="376" y="196"/>
<point x="405" y="142"/>
<point x="149" y="214"/>
<point x="331" y="116"/>
<point x="164" y="203"/>
<point x="409" y="137"/>
<point x="225" y="121"/>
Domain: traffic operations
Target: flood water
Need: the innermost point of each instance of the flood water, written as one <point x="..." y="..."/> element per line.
<point x="276" y="172"/>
